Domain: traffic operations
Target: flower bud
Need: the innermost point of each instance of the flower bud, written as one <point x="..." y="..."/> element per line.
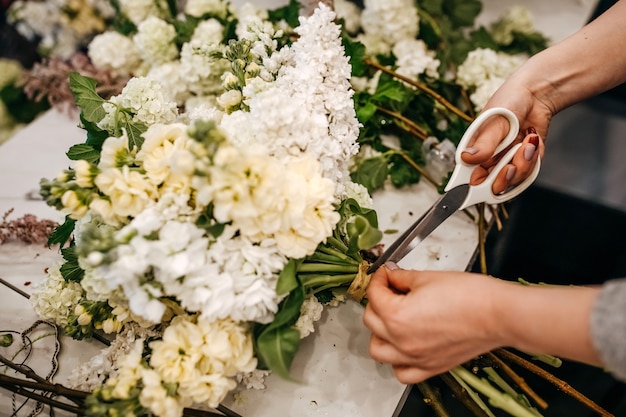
<point x="84" y="319"/>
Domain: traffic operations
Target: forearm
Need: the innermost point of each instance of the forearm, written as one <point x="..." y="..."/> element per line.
<point x="547" y="319"/>
<point x="585" y="64"/>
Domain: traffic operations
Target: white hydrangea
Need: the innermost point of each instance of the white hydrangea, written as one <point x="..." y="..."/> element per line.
<point x="350" y="13"/>
<point x="199" y="8"/>
<point x="139" y="10"/>
<point x="54" y="299"/>
<point x="169" y="76"/>
<point x="199" y="70"/>
<point x="145" y="99"/>
<point x="516" y="19"/>
<point x="390" y="20"/>
<point x="155" y="40"/>
<point x="484" y="70"/>
<point x="310" y="312"/>
<point x="114" y="52"/>
<point x="359" y="193"/>
<point x="414" y="59"/>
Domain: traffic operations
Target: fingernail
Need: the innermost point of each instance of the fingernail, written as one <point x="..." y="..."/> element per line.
<point x="510" y="173"/>
<point x="531" y="130"/>
<point x="471" y="151"/>
<point x="392" y="266"/>
<point x="530" y="149"/>
<point x="534" y="140"/>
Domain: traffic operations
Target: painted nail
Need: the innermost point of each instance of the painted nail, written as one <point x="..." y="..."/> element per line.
<point x="510" y="173"/>
<point x="471" y="151"/>
<point x="531" y="130"/>
<point x="529" y="151"/>
<point x="534" y="140"/>
<point x="392" y="266"/>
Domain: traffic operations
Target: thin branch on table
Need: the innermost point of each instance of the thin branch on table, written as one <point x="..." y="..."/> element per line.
<point x="438" y="97"/>
<point x="495" y="213"/>
<point x="42" y="398"/>
<point x="432" y="399"/>
<point x="559" y="383"/>
<point x="518" y="380"/>
<point x="462" y="395"/>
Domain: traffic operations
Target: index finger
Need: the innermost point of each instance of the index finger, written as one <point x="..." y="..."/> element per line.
<point x="483" y="144"/>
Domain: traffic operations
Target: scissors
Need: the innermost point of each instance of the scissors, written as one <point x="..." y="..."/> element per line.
<point x="458" y="193"/>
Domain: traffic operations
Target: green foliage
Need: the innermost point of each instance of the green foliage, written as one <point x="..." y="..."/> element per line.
<point x="277" y="343"/>
<point x="86" y="97"/>
<point x="70" y="270"/>
<point x="289" y="13"/>
<point x="82" y="151"/>
<point x="19" y="106"/>
<point x="62" y="234"/>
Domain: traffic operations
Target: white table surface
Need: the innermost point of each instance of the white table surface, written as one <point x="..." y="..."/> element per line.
<point x="336" y="376"/>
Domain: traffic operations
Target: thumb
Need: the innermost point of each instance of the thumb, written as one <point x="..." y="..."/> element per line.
<point x="402" y="280"/>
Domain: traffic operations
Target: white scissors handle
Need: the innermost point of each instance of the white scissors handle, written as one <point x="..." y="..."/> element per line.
<point x="462" y="171"/>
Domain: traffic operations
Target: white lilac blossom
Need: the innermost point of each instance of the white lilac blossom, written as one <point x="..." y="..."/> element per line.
<point x="292" y="115"/>
<point x="54" y="298"/>
<point x="310" y="312"/>
<point x="517" y="19"/>
<point x="248" y="14"/>
<point x="155" y="40"/>
<point x="414" y="59"/>
<point x="145" y="99"/>
<point x="389" y="21"/>
<point x="114" y="52"/>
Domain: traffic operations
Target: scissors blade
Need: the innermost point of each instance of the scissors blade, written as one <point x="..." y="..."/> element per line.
<point x="443" y="208"/>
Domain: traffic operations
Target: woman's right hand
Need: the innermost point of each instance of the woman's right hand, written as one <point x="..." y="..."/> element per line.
<point x="534" y="117"/>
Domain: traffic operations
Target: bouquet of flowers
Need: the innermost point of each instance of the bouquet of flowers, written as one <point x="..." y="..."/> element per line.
<point x="200" y="237"/>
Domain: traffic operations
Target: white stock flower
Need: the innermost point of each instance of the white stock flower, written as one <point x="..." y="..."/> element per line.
<point x="310" y="312"/>
<point x="128" y="190"/>
<point x="162" y="143"/>
<point x="155" y="397"/>
<point x="114" y="52"/>
<point x="155" y="41"/>
<point x="54" y="299"/>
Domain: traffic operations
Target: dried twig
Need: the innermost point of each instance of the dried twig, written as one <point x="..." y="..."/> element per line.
<point x="559" y="383"/>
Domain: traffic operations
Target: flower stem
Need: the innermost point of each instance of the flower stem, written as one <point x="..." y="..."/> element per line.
<point x="335" y="253"/>
<point x="496" y="398"/>
<point x="410" y="125"/>
<point x="324" y="267"/>
<point x="316" y="280"/>
<point x="438" y="97"/>
<point x="331" y="259"/>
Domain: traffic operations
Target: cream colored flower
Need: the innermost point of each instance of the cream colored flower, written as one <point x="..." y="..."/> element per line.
<point x="127" y="189"/>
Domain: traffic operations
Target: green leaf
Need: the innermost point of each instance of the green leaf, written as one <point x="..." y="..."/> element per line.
<point x="134" y="132"/>
<point x="356" y="51"/>
<point x="19" y="106"/>
<point x="70" y="270"/>
<point x="362" y="235"/>
<point x="277" y="343"/>
<point x="390" y="89"/>
<point x="287" y="280"/>
<point x="86" y="97"/>
<point x="289" y="13"/>
<point x="85" y="152"/>
<point x="462" y="12"/>
<point x="61" y="235"/>
<point x="95" y="135"/>
<point x="371" y="173"/>
<point x="366" y="112"/>
<point x="277" y="348"/>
